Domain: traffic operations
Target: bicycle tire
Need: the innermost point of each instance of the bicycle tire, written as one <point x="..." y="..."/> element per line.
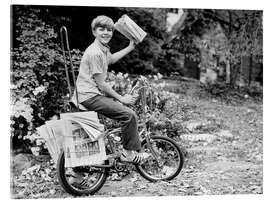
<point x="71" y="189"/>
<point x="142" y="171"/>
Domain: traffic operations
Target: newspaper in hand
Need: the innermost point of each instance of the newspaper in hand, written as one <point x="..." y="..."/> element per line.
<point x="130" y="29"/>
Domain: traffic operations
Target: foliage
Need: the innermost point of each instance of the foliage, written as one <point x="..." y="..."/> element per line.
<point x="213" y="47"/>
<point x="38" y="86"/>
<point x="210" y="36"/>
<point x="168" y="62"/>
<point x="231" y="95"/>
<point x="246" y="41"/>
<point x="195" y="24"/>
<point x="150" y="106"/>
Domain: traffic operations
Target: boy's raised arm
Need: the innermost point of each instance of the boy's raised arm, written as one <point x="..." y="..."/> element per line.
<point x="120" y="54"/>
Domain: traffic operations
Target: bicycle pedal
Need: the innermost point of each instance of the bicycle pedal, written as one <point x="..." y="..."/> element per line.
<point x="121" y="163"/>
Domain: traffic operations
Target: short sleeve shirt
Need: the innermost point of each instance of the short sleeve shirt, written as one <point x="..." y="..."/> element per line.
<point x="95" y="60"/>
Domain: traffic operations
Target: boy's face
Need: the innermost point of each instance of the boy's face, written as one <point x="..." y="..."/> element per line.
<point x="103" y="34"/>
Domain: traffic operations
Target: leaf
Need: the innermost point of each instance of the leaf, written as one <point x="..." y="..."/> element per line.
<point x="115" y="176"/>
<point x="134" y="178"/>
<point x="167" y="170"/>
<point x="33" y="168"/>
<point x="52" y="191"/>
<point x="141" y="187"/>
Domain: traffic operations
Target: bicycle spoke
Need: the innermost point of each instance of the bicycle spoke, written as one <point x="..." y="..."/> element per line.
<point x="80" y="180"/>
<point x="165" y="164"/>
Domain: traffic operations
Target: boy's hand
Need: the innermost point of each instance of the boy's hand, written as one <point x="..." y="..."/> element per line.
<point x="128" y="99"/>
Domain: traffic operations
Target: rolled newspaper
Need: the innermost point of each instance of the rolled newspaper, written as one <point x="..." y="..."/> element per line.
<point x="130" y="29"/>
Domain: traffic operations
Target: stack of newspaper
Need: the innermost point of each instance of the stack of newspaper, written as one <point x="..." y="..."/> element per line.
<point x="79" y="135"/>
<point x="53" y="133"/>
<point x="130" y="29"/>
<point x="84" y="141"/>
<point x="87" y="120"/>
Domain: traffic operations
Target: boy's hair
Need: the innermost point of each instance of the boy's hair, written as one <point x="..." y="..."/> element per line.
<point x="102" y="21"/>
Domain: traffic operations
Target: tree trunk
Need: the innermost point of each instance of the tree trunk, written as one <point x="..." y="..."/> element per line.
<point x="228" y="65"/>
<point x="250" y="70"/>
<point x="230" y="22"/>
<point x="228" y="72"/>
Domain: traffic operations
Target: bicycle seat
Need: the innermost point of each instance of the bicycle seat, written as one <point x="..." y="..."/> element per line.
<point x="74" y="106"/>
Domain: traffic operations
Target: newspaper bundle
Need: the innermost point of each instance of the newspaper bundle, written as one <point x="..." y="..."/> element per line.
<point x="87" y="120"/>
<point x="53" y="133"/>
<point x="130" y="29"/>
<point x="84" y="141"/>
<point x="79" y="135"/>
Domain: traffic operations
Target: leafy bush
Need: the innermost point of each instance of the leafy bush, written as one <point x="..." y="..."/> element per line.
<point x="168" y="62"/>
<point x="38" y="87"/>
<point x="157" y="113"/>
<point x="234" y="95"/>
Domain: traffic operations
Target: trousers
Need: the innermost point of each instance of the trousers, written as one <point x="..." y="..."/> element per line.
<point x="117" y="111"/>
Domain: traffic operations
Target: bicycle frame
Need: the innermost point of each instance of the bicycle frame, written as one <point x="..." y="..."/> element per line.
<point x="150" y="143"/>
<point x="143" y="133"/>
<point x="111" y="142"/>
<point x="65" y="43"/>
<point x="108" y="133"/>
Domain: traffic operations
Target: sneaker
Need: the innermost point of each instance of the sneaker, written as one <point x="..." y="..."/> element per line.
<point x="134" y="157"/>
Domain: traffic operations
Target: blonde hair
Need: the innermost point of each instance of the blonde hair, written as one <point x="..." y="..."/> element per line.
<point x="102" y="21"/>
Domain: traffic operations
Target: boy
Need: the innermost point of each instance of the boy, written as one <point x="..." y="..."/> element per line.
<point x="96" y="95"/>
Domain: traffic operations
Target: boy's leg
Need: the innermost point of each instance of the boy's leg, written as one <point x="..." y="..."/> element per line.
<point x="115" y="110"/>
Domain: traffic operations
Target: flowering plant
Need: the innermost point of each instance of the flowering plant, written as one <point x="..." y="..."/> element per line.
<point x="38" y="87"/>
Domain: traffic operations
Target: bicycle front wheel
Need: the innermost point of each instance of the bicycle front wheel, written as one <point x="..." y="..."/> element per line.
<point x="166" y="161"/>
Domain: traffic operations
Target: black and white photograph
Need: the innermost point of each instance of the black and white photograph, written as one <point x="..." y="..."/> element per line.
<point x="164" y="101"/>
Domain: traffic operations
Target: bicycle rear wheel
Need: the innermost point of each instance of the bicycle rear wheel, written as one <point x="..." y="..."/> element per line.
<point x="93" y="176"/>
<point x="166" y="164"/>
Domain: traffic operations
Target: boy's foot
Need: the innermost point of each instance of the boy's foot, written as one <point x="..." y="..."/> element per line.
<point x="133" y="156"/>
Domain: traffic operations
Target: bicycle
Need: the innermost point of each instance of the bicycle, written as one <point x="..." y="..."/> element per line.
<point x="165" y="162"/>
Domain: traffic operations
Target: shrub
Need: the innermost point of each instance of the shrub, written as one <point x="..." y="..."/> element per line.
<point x="38" y="87"/>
